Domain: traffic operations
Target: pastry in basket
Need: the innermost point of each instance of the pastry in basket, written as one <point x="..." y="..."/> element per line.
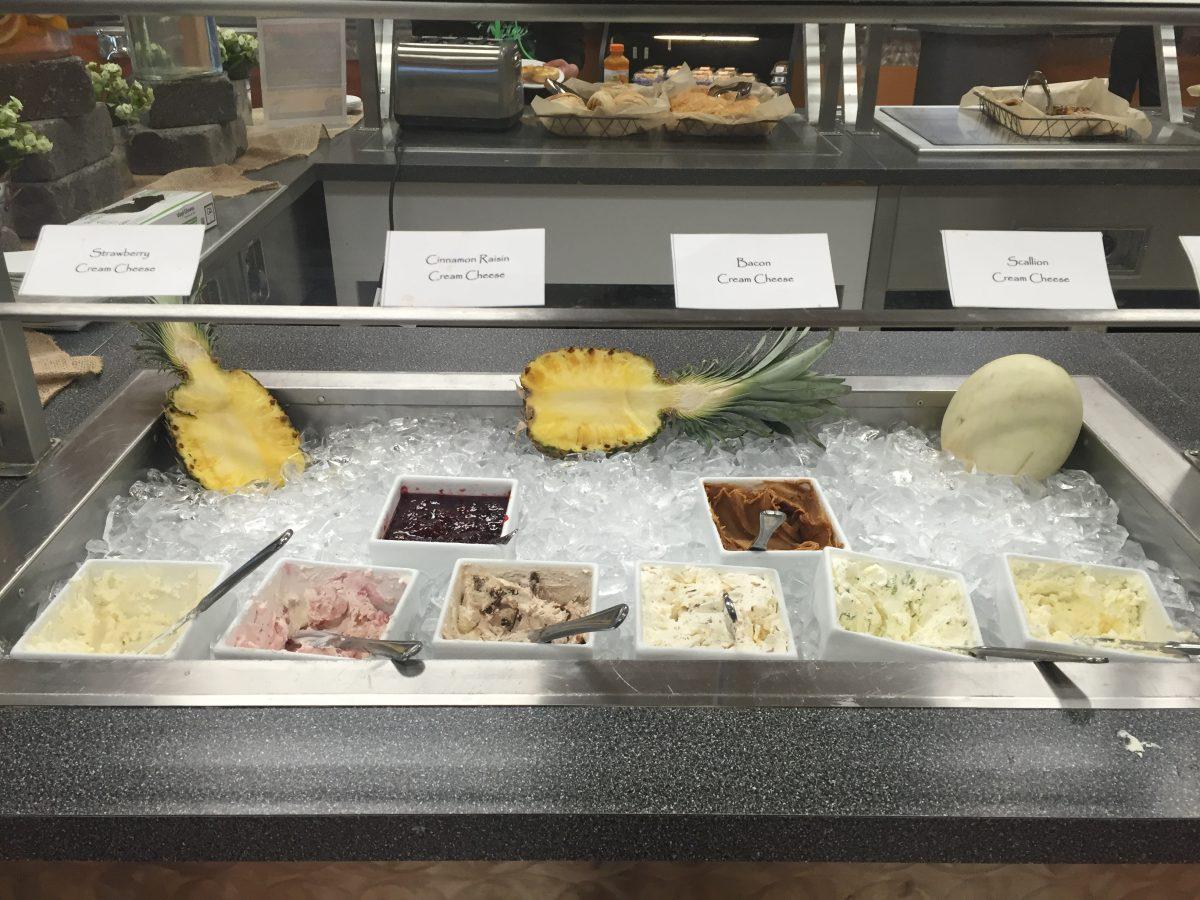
<point x="611" y="101"/>
<point x="1070" y="110"/>
<point x="538" y="74"/>
<point x="727" y="106"/>
<point x="569" y="101"/>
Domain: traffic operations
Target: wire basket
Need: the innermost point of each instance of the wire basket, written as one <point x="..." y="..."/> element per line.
<point x="599" y="126"/>
<point x="744" y="131"/>
<point x="1074" y="127"/>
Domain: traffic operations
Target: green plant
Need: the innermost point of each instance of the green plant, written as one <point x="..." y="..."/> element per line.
<point x="17" y="139"/>
<point x="126" y="100"/>
<point x="506" y="31"/>
<point x="239" y="53"/>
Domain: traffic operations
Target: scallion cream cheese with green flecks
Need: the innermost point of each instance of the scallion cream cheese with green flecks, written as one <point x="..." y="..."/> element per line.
<point x="900" y="603"/>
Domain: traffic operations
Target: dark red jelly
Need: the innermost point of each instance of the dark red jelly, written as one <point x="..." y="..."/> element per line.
<point x="453" y="518"/>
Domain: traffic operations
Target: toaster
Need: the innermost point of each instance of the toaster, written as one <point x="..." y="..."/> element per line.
<point x="471" y="84"/>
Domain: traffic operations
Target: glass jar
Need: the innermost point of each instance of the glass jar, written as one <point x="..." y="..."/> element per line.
<point x="23" y="38"/>
<point x="168" y="48"/>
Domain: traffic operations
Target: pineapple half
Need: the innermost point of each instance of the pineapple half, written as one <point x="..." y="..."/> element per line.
<point x="228" y="430"/>
<point x="587" y="399"/>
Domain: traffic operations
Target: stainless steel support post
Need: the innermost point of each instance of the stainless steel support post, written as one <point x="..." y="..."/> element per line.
<point x="368" y="70"/>
<point x="879" y="257"/>
<point x="385" y="30"/>
<point x="23" y="436"/>
<point x="812" y="72"/>
<point x="832" y="37"/>
<point x="850" y="74"/>
<point x="868" y="93"/>
<point x="1168" y="73"/>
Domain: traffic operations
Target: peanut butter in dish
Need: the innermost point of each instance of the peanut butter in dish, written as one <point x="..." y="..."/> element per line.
<point x="735" y="509"/>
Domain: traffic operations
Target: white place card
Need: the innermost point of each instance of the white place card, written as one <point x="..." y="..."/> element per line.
<point x="752" y="271"/>
<point x="1191" y="246"/>
<point x="114" y="261"/>
<point x="465" y="268"/>
<point x="1027" y="269"/>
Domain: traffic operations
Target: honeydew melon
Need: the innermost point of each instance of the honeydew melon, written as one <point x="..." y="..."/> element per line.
<point x="1017" y="415"/>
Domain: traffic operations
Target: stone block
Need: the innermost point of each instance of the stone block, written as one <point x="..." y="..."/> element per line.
<point x="78" y="141"/>
<point x="66" y="199"/>
<point x="157" y="152"/>
<point x="209" y="100"/>
<point x="49" y="88"/>
<point x="10" y="241"/>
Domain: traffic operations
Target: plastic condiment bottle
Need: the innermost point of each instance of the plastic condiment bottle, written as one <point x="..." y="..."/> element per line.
<point x="616" y="64"/>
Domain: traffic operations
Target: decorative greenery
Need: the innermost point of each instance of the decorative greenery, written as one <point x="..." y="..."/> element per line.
<point x="126" y="100"/>
<point x="239" y="53"/>
<point x="17" y="139"/>
<point x="506" y="31"/>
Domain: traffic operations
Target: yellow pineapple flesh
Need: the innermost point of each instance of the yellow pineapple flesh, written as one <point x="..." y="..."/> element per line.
<point x="588" y="399"/>
<point x="229" y="431"/>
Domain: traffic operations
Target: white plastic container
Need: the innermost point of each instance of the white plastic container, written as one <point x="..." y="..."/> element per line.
<point x="286" y="573"/>
<point x="196" y="636"/>
<point x="438" y="557"/>
<point x="802" y="562"/>
<point x="459" y="648"/>
<point x="842" y="644"/>
<point x="643" y="650"/>
<point x="1014" y="625"/>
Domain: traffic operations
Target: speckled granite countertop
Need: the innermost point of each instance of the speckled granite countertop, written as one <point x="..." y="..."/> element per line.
<point x="616" y="783"/>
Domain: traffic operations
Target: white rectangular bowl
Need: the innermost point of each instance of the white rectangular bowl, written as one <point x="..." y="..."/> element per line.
<point x="393" y="631"/>
<point x="642" y="650"/>
<point x="842" y="644"/>
<point x="458" y="648"/>
<point x="803" y="563"/>
<point x="440" y="556"/>
<point x="196" y="636"/>
<point x="1014" y="626"/>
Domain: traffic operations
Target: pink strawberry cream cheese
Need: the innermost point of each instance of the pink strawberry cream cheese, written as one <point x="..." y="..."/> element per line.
<point x="351" y="602"/>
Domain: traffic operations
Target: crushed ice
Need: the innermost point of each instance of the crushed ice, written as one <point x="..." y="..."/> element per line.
<point x="893" y="492"/>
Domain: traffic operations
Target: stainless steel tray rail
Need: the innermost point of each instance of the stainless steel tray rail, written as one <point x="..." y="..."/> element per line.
<point x="46" y="523"/>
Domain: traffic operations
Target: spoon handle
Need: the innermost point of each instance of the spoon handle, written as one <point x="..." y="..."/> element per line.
<point x="398" y="651"/>
<point x="598" y="621"/>
<point x="1053" y="656"/>
<point x="768" y="521"/>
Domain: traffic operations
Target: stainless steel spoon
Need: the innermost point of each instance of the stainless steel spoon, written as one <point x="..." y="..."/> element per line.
<point x="223" y="588"/>
<point x="1184" y="648"/>
<point x="1053" y="656"/>
<point x="598" y="621"/>
<point x="768" y="521"/>
<point x="555" y="87"/>
<point x="399" y="651"/>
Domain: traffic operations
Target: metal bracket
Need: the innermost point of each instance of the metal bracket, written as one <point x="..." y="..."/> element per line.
<point x="24" y="441"/>
<point x="1192" y="455"/>
<point x="1169" y="87"/>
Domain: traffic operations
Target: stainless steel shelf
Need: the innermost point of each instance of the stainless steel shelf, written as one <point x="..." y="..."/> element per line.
<point x="548" y="317"/>
<point x="1006" y="12"/>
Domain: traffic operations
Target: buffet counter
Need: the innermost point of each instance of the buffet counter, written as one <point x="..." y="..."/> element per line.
<point x="323" y="775"/>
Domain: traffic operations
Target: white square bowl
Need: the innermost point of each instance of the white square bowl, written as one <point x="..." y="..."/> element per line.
<point x="396" y="583"/>
<point x="196" y="636"/>
<point x="642" y="650"/>
<point x="459" y="648"/>
<point x="842" y="644"/>
<point x="804" y="561"/>
<point x="1014" y="625"/>
<point x="440" y="556"/>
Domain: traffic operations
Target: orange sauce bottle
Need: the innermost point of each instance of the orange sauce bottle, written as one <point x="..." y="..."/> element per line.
<point x="616" y="64"/>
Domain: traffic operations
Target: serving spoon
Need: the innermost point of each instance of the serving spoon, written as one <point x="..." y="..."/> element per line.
<point x="603" y="620"/>
<point x="768" y="521"/>
<point x="398" y="651"/>
<point x="1052" y="656"/>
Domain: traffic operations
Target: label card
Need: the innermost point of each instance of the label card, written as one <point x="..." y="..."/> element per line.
<point x="752" y="271"/>
<point x="1191" y="245"/>
<point x="1027" y="269"/>
<point x="114" y="261"/>
<point x="465" y="268"/>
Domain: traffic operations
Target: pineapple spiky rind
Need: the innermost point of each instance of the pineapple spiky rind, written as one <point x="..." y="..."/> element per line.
<point x="589" y="399"/>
